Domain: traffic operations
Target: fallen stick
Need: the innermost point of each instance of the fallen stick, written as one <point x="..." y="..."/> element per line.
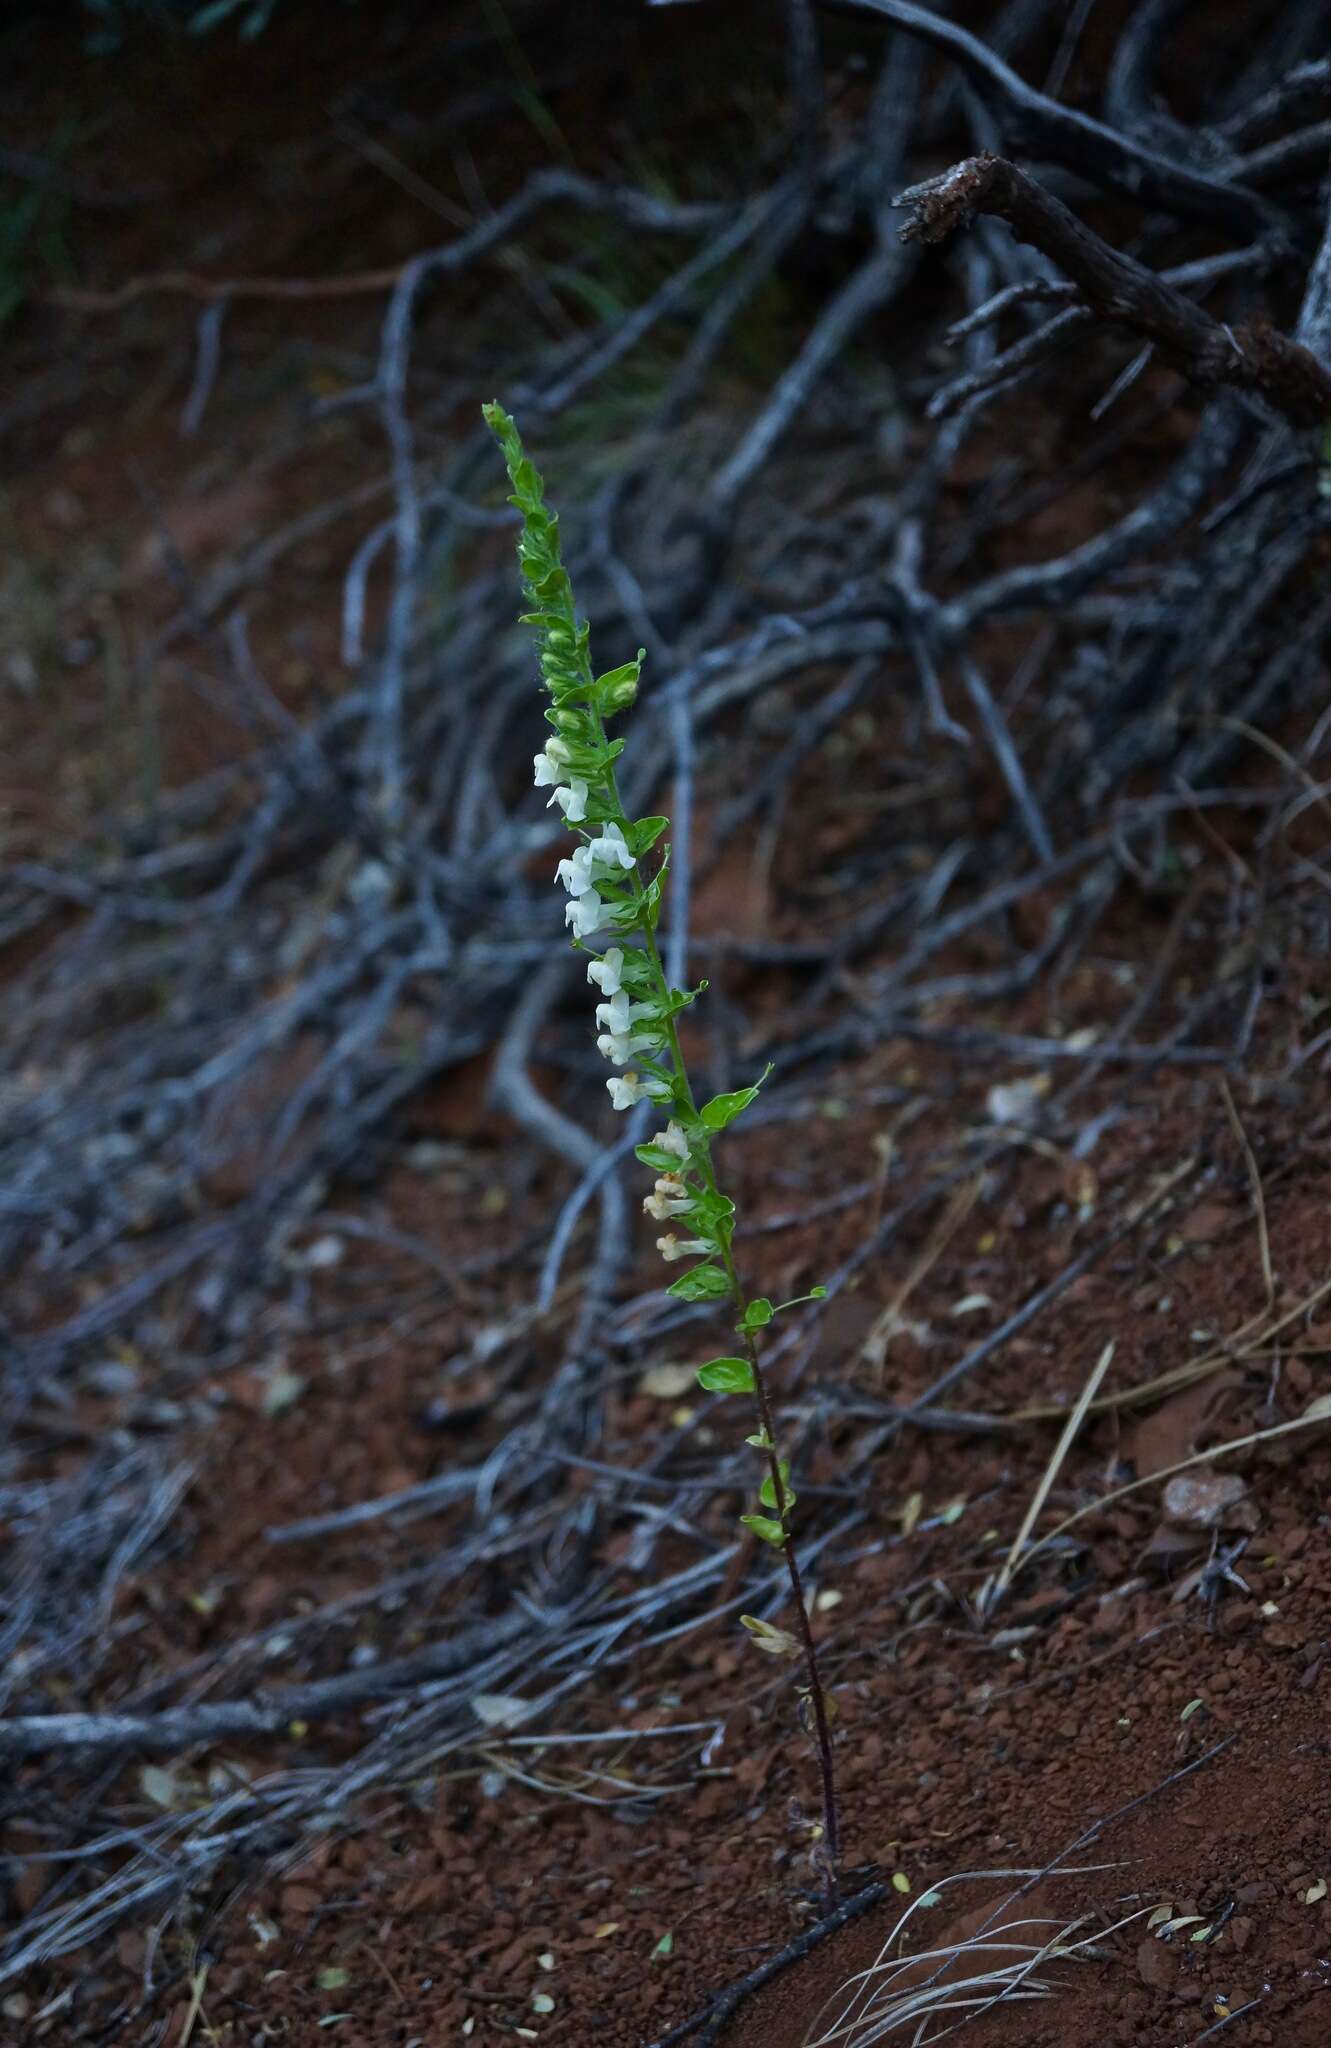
<point x="178" y="1728"/>
<point x="709" y="2022"/>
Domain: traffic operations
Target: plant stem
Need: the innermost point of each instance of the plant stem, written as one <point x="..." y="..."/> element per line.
<point x="817" y="1697"/>
<point x="700" y="1150"/>
<point x="766" y="1425"/>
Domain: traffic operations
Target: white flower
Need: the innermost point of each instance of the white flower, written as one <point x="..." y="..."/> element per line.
<point x="672" y="1139"/>
<point x="584" y="913"/>
<point x="620" y="1015"/>
<point x="670" y="1198"/>
<point x="576" y="874"/>
<point x="572" y="802"/>
<point x="611" y="849"/>
<point x="607" y="970"/>
<point x="630" y="1088"/>
<point x="549" y="764"/>
<point x="625" y="1091"/>
<point x="619" y="1047"/>
<point x="672" y="1247"/>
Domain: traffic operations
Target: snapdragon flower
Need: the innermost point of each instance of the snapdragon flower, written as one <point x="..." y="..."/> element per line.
<point x="669" y="1198"/>
<point x="607" y="971"/>
<point x="628" y="1089"/>
<point x="572" y="801"/>
<point x="576" y="874"/>
<point x="619" y="1015"/>
<point x="549" y="765"/>
<point x="611" y="848"/>
<point x="585" y="914"/>
<point x="672" y="1247"/>
<point x="619" y="1049"/>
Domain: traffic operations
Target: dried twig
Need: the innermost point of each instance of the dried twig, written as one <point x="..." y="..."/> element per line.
<point x="1211" y="354"/>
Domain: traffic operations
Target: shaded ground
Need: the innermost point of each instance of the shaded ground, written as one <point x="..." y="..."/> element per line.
<point x="581" y="1803"/>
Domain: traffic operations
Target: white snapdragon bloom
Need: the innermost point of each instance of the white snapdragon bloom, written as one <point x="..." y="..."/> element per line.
<point x="627" y="1089"/>
<point x="619" y="1050"/>
<point x="585" y="913"/>
<point x="672" y="1247"/>
<point x="670" y="1198"/>
<point x="572" y="801"/>
<point x="549" y="765"/>
<point x="672" y="1139"/>
<point x="611" y="849"/>
<point x="576" y="874"/>
<point x="606" y="971"/>
<point x="620" y="1015"/>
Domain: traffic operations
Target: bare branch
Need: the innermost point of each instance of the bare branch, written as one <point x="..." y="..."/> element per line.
<point x="1210" y="354"/>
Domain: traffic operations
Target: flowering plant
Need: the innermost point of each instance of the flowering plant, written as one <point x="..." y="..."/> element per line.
<point x="612" y="900"/>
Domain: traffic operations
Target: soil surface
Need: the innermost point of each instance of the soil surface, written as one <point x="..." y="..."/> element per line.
<point x="1114" y="1745"/>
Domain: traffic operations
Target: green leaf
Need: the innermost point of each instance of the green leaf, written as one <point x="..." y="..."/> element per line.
<point x="658" y="1158"/>
<point x="758" y="1314"/>
<point x="723" y="1109"/>
<point x="726" y="1376"/>
<point x="766" y="1494"/>
<point x="704" y="1283"/>
<point x="760" y="1440"/>
<point x="765" y="1529"/>
<point x="643" y="834"/>
<point x="767" y="1491"/>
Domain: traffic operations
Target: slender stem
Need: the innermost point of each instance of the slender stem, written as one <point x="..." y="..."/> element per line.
<point x="818" y="1699"/>
<point x="700" y="1150"/>
<point x="767" y="1429"/>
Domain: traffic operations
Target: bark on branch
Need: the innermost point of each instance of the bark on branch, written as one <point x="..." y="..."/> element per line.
<point x="1212" y="355"/>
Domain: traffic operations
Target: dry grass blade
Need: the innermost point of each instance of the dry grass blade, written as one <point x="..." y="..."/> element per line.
<point x="1316" y="1411"/>
<point x="992" y="1592"/>
<point x="1258" y="1196"/>
<point x="1250" y="1338"/>
<point x="929" y="1993"/>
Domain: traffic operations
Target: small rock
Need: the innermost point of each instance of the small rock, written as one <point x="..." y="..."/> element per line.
<point x="1203" y="1500"/>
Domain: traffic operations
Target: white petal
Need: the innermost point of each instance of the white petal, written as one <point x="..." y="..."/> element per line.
<point x="611" y="848"/>
<point x="606" y="971"/>
<point x="572" y="802"/>
<point x="584" y="913"/>
<point x="576" y="874"/>
<point x="614" y="1015"/>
